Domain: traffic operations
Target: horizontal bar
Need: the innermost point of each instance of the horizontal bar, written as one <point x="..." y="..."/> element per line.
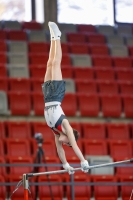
<point x="77" y="169"/>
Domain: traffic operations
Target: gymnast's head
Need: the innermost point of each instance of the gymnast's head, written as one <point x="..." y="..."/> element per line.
<point x="76" y="134"/>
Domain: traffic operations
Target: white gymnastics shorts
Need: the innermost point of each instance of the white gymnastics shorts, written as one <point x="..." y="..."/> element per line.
<point x="52" y="113"/>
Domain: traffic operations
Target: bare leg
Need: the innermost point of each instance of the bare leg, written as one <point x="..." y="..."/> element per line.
<point x="56" y="65"/>
<point x="48" y="74"/>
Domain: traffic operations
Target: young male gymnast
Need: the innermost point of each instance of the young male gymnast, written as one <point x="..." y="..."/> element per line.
<point x="54" y="90"/>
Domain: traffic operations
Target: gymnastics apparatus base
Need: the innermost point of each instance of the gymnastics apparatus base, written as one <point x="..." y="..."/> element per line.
<point x="26" y="176"/>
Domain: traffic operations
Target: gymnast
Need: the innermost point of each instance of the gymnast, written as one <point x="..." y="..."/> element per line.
<point x="54" y="90"/>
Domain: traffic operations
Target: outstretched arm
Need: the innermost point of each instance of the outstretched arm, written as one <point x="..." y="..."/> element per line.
<point x="67" y="129"/>
<point x="62" y="156"/>
<point x="60" y="150"/>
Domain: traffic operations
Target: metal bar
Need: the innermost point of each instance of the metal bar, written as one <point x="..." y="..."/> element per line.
<point x="72" y="187"/>
<point x="77" y="169"/>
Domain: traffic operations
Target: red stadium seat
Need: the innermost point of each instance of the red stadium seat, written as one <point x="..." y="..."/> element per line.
<point x="83" y="73"/>
<point x="96" y="38"/>
<point x="78" y="48"/>
<point x="69" y="104"/>
<point x="128" y="105"/>
<point x="17" y="147"/>
<point x="67" y="72"/>
<point x="16" y="35"/>
<point x="52" y="162"/>
<point x="20" y="103"/>
<point x="66" y="60"/>
<point x="65" y="48"/>
<point x="38" y="47"/>
<point x="44" y="191"/>
<point x="19" y="84"/>
<point x="3" y="71"/>
<point x="94" y="130"/>
<point x="81" y="191"/>
<point x="42" y="127"/>
<point x="48" y="146"/>
<point x="104" y="73"/>
<point x="95" y="147"/>
<point x="3" y="35"/>
<point x="89" y="104"/>
<point x="38" y="103"/>
<point x="38" y="59"/>
<point x="36" y="84"/>
<point x="120" y="149"/>
<point x="124" y="74"/>
<point x="3" y="58"/>
<point x="32" y="25"/>
<point x="86" y="86"/>
<point x="120" y="62"/>
<point x="3" y="46"/>
<point x="4" y="84"/>
<point x="99" y="50"/>
<point x="20" y="170"/>
<point x="118" y="131"/>
<point x="126" y="87"/>
<point x="86" y="28"/>
<point x="2" y="130"/>
<point x="18" y="129"/>
<point x="107" y="87"/>
<point x="2" y="189"/>
<point x="111" y="105"/>
<point x="105" y="192"/>
<point x="102" y="61"/>
<point x="37" y="72"/>
<point x="126" y="189"/>
<point x="124" y="170"/>
<point x="76" y="37"/>
<point x="74" y="162"/>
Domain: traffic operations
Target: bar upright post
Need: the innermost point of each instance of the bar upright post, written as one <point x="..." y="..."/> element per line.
<point x="25" y="183"/>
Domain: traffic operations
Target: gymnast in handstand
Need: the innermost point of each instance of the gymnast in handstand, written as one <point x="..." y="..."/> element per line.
<point x="54" y="90"/>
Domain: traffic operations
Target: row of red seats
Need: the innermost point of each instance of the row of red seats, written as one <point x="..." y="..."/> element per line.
<point x="87" y="104"/>
<point x="117" y="149"/>
<point x="23" y="129"/>
<point x="99" y="73"/>
<point x="21" y="35"/>
<point x="98" y="191"/>
<point x="100" y="61"/>
<point x="72" y="48"/>
<point x="97" y="60"/>
<point x="79" y="37"/>
<point x="32" y="25"/>
<point x="88" y="86"/>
